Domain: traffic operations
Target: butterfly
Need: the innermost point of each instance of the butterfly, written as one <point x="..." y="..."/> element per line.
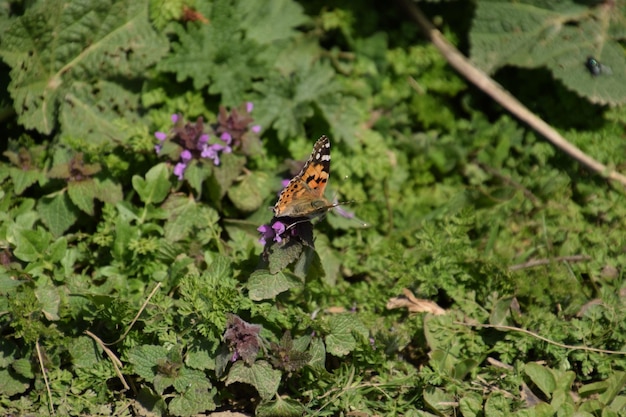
<point x="303" y="197"/>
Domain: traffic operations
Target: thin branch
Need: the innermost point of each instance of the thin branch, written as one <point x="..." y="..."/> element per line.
<point x="544" y="339"/>
<point x="45" y="377"/>
<point x="536" y="262"/>
<point x="132" y="323"/>
<point x="117" y="364"/>
<point x="499" y="94"/>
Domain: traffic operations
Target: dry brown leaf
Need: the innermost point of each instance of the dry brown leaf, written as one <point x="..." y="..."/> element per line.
<point x="414" y="304"/>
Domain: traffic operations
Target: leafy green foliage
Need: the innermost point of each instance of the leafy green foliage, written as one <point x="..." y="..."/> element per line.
<point x="147" y="141"/>
<point x="560" y="36"/>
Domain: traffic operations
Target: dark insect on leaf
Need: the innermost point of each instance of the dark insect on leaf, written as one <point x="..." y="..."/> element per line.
<point x="595" y="68"/>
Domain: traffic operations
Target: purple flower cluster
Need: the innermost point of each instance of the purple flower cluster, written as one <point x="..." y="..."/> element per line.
<point x="274" y="232"/>
<point x="194" y="141"/>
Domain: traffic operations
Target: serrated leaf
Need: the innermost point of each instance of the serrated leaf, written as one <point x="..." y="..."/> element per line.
<point x="145" y="360"/>
<point x="81" y="113"/>
<point x="249" y="194"/>
<point x="58" y="213"/>
<point x="536" y="35"/>
<point x="280" y="408"/>
<point x="82" y="193"/>
<point x="57" y="43"/>
<point x="542" y="377"/>
<point x="22" y="179"/>
<point x="268" y="22"/>
<point x="30" y="245"/>
<point x="340" y="341"/>
<point x="183" y="215"/>
<point x="85" y="353"/>
<point x="11" y="384"/>
<point x="23" y="367"/>
<point x="260" y="375"/>
<point x="110" y="192"/>
<point x="282" y="254"/>
<point x="193" y="401"/>
<point x="155" y="187"/>
<point x="49" y="298"/>
<point x="226" y="173"/>
<point x="317" y="350"/>
<point x="288" y="101"/>
<point x="216" y="55"/>
<point x="263" y="285"/>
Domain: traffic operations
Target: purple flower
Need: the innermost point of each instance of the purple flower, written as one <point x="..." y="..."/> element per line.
<point x="266" y="233"/>
<point x="256" y="128"/>
<point x="185" y="156"/>
<point x="157" y="148"/>
<point x="285" y="182"/>
<point x="161" y="136"/>
<point x="226" y="137"/>
<point x="204" y="139"/>
<point x="274" y="232"/>
<point x="279" y="229"/>
<point x="211" y="152"/>
<point x="372" y="343"/>
<point x="249" y="106"/>
<point x="179" y="170"/>
<point x="175" y="118"/>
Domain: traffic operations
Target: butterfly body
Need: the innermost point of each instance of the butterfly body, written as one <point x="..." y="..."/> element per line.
<point x="304" y="197"/>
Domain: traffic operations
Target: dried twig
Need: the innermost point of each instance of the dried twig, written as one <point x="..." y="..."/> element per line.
<point x="545" y="339"/>
<point x="45" y="376"/>
<point x="499" y="94"/>
<point x="537" y="262"/>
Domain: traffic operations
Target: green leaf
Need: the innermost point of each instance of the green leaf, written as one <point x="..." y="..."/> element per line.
<point x="82" y="115"/>
<point x="249" y="193"/>
<point x="225" y="174"/>
<point x="280" y="408"/>
<point x="341" y="341"/>
<point x="471" y="405"/>
<point x="24" y="178"/>
<point x="57" y="45"/>
<point x="260" y="375"/>
<point x="216" y="55"/>
<point x="30" y="245"/>
<point x="145" y="360"/>
<point x="193" y="401"/>
<point x="282" y="254"/>
<point x="268" y="22"/>
<point x="531" y="36"/>
<point x="85" y="353"/>
<point x="58" y="213"/>
<point x="501" y="312"/>
<point x="615" y="384"/>
<point x="542" y="377"/>
<point x="263" y="285"/>
<point x="155" y="187"/>
<point x="497" y="406"/>
<point x="317" y="350"/>
<point x="50" y="299"/>
<point x="23" y="367"/>
<point x="82" y="193"/>
<point x="183" y="215"/>
<point x="330" y="262"/>
<point x="288" y="101"/>
<point x="11" y="384"/>
<point x="196" y="393"/>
